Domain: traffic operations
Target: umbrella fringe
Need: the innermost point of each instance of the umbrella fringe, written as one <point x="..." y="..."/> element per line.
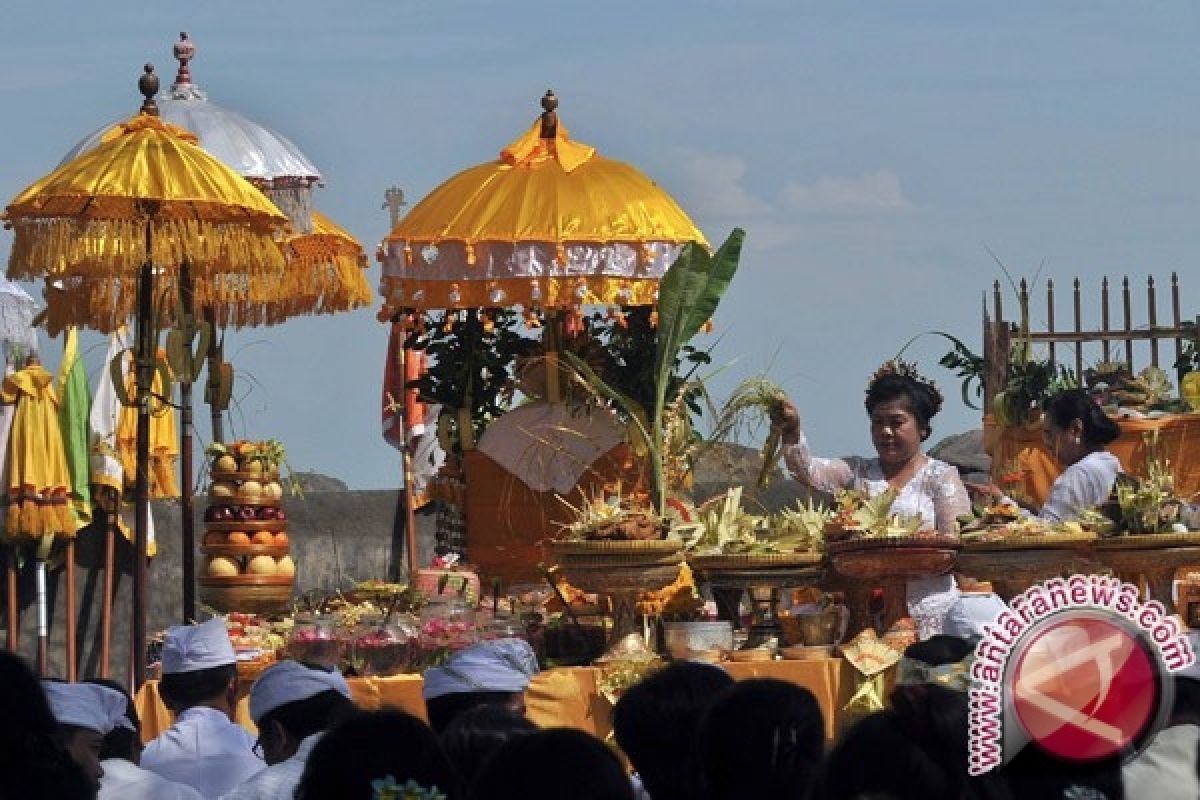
<point x="63" y="249"/>
<point x="32" y="518"/>
<point x="309" y="286"/>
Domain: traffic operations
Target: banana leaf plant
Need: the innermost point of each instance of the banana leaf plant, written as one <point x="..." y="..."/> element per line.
<point x="688" y="295"/>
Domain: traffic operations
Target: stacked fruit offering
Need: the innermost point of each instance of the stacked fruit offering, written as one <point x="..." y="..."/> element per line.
<point x="248" y="566"/>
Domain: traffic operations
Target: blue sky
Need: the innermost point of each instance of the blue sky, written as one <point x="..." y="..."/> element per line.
<point x="873" y="152"/>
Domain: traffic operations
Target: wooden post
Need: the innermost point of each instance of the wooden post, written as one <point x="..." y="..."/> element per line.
<point x="1078" y="329"/>
<point x="14" y="608"/>
<point x="144" y="365"/>
<point x="1050" y="318"/>
<point x="1125" y="304"/>
<point x="110" y="559"/>
<point x="72" y="665"/>
<point x="1152" y="318"/>
<point x="1104" y="324"/>
<point x="188" y="303"/>
<point x="410" y="511"/>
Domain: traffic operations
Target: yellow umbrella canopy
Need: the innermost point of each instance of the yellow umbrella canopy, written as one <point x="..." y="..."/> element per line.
<point x="86" y="227"/>
<point x="551" y="223"/>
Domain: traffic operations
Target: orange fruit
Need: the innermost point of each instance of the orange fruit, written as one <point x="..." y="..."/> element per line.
<point x="281" y="539"/>
<point x="263" y="537"/>
<point x="237" y="537"/>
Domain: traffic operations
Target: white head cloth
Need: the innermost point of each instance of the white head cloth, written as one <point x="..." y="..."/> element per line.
<point x="189" y="648"/>
<point x="970" y="613"/>
<point x="87" y="705"/>
<point x="289" y="682"/>
<point x="501" y="665"/>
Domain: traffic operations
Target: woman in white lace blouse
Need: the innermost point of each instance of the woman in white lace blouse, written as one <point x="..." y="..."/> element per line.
<point x="900" y="404"/>
<point x="1075" y="431"/>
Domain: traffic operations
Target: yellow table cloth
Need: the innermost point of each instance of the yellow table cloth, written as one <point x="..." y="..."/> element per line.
<point x="565" y="697"/>
<point x="1178" y="441"/>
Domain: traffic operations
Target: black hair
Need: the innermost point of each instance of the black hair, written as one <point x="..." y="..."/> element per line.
<point x="476" y="734"/>
<point x="303" y="718"/>
<point x="120" y="742"/>
<point x="33" y="761"/>
<point x="1076" y="404"/>
<point x="371" y="746"/>
<point x="898" y="766"/>
<point x="655" y="723"/>
<point x="553" y="764"/>
<point x="441" y="711"/>
<point x="183" y="690"/>
<point x="1035" y="773"/>
<point x="923" y="399"/>
<point x="939" y="650"/>
<point x="761" y="738"/>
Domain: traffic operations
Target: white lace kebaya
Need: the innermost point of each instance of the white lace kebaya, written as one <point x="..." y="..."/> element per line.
<point x="935" y="493"/>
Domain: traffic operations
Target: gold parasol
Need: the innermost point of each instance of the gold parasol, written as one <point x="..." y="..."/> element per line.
<point x="141" y="213"/>
<point x="551" y="223"/>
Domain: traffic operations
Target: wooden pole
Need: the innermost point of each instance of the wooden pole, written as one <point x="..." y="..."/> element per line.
<point x="110" y="558"/>
<point x="43" y="623"/>
<point x="410" y="511"/>
<point x="145" y="376"/>
<point x="187" y="300"/>
<point x="14" y="609"/>
<point x="69" y="575"/>
<point x="214" y="377"/>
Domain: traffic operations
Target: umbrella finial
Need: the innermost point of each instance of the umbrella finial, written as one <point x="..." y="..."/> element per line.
<point x="184" y="51"/>
<point x="549" y="117"/>
<point x="148" y="86"/>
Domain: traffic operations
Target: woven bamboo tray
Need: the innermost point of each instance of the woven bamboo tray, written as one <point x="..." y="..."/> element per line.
<point x="894" y="543"/>
<point x="564" y="547"/>
<point x="261" y="477"/>
<point x="1039" y="542"/>
<point x="239" y="550"/>
<point x="272" y="525"/>
<point x="753" y="561"/>
<point x="1138" y="541"/>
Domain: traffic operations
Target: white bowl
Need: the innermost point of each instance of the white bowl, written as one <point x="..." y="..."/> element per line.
<point x="697" y="640"/>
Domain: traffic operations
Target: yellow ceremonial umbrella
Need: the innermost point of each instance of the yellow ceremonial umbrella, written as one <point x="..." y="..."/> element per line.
<point x="551" y="223"/>
<point x="140" y="214"/>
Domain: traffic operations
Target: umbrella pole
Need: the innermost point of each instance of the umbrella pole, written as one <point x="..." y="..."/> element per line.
<point x="70" y="578"/>
<point x="110" y="560"/>
<point x="218" y="424"/>
<point x="43" y="627"/>
<point x="187" y="297"/>
<point x="14" y="608"/>
<point x="410" y="511"/>
<point x="145" y="376"/>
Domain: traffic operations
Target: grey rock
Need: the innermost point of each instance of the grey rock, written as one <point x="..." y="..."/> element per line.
<point x="965" y="451"/>
<point x="316" y="482"/>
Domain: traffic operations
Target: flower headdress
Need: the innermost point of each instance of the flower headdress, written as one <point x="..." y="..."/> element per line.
<point x="388" y="789"/>
<point x="905" y="369"/>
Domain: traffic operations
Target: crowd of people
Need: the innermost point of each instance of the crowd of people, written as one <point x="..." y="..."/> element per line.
<point x="687" y="731"/>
